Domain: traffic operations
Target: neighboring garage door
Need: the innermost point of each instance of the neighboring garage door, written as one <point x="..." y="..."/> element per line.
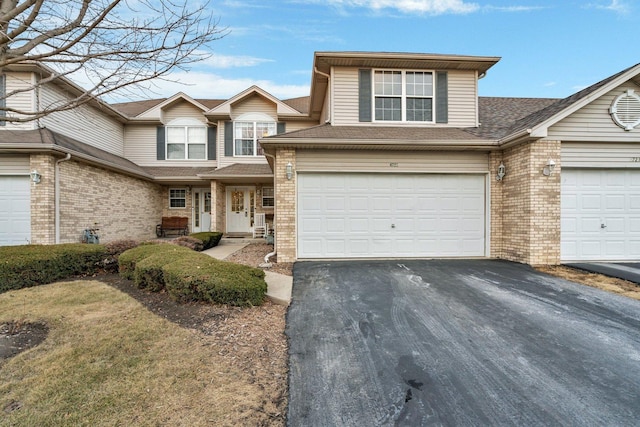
<point x="364" y="215"/>
<point x="600" y="215"/>
<point x="15" y="210"/>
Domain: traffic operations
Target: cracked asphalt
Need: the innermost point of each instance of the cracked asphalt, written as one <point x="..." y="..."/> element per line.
<point x="458" y="342"/>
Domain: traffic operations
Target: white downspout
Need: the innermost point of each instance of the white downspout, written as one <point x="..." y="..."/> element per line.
<point x="267" y="264"/>
<point x="57" y="194"/>
<point x="329" y="91"/>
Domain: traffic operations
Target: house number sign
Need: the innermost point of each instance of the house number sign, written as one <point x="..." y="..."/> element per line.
<point x="635" y="159"/>
<point x="393" y="165"/>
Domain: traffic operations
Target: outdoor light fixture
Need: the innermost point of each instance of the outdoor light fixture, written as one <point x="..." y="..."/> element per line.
<point x="35" y="176"/>
<point x="548" y="169"/>
<point x="289" y="171"/>
<point x="502" y="171"/>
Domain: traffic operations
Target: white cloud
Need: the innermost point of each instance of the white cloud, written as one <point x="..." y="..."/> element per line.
<point x="431" y="7"/>
<point x="515" y="8"/>
<point x="208" y="85"/>
<point x="228" y="61"/>
<point x="617" y="6"/>
<point x="549" y="84"/>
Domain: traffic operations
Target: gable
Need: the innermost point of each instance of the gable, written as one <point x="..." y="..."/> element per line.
<point x="254" y="104"/>
<point x="182" y="109"/>
<point x="593" y="122"/>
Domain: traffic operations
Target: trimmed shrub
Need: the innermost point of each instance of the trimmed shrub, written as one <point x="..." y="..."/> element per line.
<point x="148" y="271"/>
<point x="31" y="265"/>
<point x="114" y="250"/>
<point x="189" y="242"/>
<point x="209" y="238"/>
<point x="221" y="282"/>
<point x="128" y="260"/>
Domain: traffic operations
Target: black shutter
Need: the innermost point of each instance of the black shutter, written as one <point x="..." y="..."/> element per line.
<point x="364" y="95"/>
<point x="282" y="127"/>
<point x="160" y="143"/>
<point x="228" y="139"/>
<point x="442" y="97"/>
<point x="211" y="142"/>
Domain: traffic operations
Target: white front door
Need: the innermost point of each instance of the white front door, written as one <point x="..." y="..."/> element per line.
<point x="201" y="210"/>
<point x="239" y="209"/>
<point x="600" y="215"/>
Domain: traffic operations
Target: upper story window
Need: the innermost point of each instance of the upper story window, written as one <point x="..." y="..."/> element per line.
<point x="403" y="96"/>
<point x="247" y="130"/>
<point x="186" y="140"/>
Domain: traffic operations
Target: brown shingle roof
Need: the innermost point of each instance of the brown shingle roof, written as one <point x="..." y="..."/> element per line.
<point x="134" y="108"/>
<point x="301" y="104"/>
<point x="239" y="170"/>
<point x="176" y="171"/>
<point x="47" y="137"/>
<point x="327" y="131"/>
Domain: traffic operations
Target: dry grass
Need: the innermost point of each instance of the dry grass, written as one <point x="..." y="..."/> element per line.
<point x="110" y="361"/>
<point x="600" y="281"/>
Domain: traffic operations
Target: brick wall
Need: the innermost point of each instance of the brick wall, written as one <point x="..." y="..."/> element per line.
<point x="186" y="211"/>
<point x="285" y="215"/>
<point x="123" y="207"/>
<point x="526" y="205"/>
<point x="43" y="230"/>
<point x="218" y="204"/>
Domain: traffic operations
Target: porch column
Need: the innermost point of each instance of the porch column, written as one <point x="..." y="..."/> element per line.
<point x="285" y="211"/>
<point x="218" y="206"/>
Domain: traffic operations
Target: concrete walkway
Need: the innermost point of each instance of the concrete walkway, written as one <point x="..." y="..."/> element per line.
<point x="278" y="285"/>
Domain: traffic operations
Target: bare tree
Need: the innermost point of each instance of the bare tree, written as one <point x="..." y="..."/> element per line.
<point x="113" y="45"/>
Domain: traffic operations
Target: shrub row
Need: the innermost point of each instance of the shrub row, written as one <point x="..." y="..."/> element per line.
<point x="189" y="276"/>
<point x="31" y="265"/>
<point x="209" y="238"/>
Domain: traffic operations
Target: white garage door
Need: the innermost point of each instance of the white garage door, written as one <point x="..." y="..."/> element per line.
<point x="15" y="210"/>
<point x="600" y="215"/>
<point x="359" y="215"/>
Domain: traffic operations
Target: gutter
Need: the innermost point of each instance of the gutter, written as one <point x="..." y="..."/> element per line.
<point x="56" y="190"/>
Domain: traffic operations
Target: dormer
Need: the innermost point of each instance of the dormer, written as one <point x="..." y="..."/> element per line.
<point x="397" y="89"/>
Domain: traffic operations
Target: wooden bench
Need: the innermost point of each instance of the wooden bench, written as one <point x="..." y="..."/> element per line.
<point x="176" y="224"/>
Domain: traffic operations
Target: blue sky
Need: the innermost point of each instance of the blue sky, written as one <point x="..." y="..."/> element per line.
<point x="549" y="48"/>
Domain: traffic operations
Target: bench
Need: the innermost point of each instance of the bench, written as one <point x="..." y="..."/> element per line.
<point x="176" y="224"/>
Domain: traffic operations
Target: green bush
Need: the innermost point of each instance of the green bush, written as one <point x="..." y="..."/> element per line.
<point x="127" y="260"/>
<point x="209" y="238"/>
<point x="114" y="250"/>
<point x="148" y="271"/>
<point x="221" y="282"/>
<point x="31" y="265"/>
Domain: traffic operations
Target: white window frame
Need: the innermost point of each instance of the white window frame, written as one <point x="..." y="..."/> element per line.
<point x="172" y="198"/>
<point x="185" y="124"/>
<point x="255" y="119"/>
<point x="404" y="96"/>
<point x="272" y="197"/>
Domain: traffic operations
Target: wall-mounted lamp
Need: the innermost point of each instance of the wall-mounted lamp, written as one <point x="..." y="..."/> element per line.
<point x="35" y="176"/>
<point x="549" y="167"/>
<point x="502" y="171"/>
<point x="289" y="171"/>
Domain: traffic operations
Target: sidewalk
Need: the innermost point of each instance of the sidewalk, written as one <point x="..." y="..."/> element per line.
<point x="278" y="285"/>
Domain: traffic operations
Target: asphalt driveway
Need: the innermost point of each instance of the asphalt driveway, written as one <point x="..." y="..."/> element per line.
<point x="451" y="342"/>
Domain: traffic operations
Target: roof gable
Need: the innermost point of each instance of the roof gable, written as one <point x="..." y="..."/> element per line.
<point x="224" y="109"/>
<point x="155" y="112"/>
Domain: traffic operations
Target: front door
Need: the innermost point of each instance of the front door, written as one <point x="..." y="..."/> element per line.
<point x="239" y="209"/>
<point x="201" y="210"/>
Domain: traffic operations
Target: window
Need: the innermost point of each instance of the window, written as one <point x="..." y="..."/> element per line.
<point x="177" y="198"/>
<point x="186" y="139"/>
<point x="403" y="96"/>
<point x="246" y="135"/>
<point x="268" y="200"/>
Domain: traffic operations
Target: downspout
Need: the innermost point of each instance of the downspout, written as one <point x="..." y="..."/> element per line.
<point x="329" y="91"/>
<point x="268" y="264"/>
<point x="57" y="194"/>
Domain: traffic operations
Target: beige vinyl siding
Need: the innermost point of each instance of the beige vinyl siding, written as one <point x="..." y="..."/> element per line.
<point x="226" y="161"/>
<point x="140" y="148"/>
<point x="292" y="126"/>
<point x="391" y="162"/>
<point x="24" y="101"/>
<point x="254" y="104"/>
<point x="600" y="155"/>
<point x="462" y="99"/>
<point x="345" y="96"/>
<point x="593" y="122"/>
<point x="14" y="165"/>
<point x="183" y="109"/>
<point x="84" y="123"/>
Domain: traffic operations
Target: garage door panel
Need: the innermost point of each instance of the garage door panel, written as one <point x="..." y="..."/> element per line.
<point x="400" y="215"/>
<point x="600" y="214"/>
<point x="15" y="210"/>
